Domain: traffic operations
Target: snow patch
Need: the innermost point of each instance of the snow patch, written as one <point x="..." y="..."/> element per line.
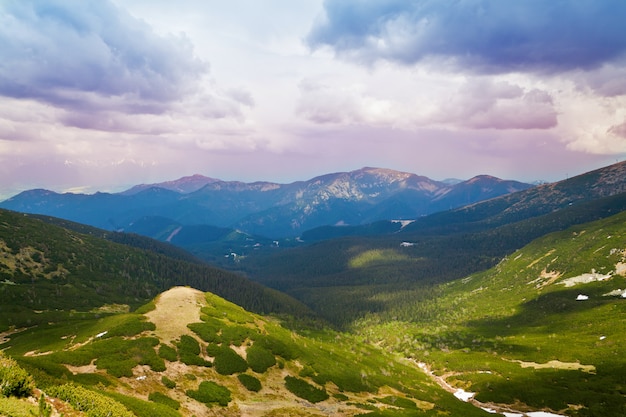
<point x="616" y="293"/>
<point x="582" y="297"/>
<point x="463" y="395"/>
<point x="403" y="223"/>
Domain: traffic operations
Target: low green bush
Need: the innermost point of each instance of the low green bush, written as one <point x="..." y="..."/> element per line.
<point x="207" y="331"/>
<point x="14" y="380"/>
<point x="90" y="402"/>
<point x="250" y="382"/>
<point x="168" y="353"/>
<point x="117" y="355"/>
<point x="286" y="350"/>
<point x="236" y="335"/>
<point x="210" y="393"/>
<point x="189" y="351"/>
<point x="160" y="398"/>
<point x="16" y="408"/>
<point x="228" y="362"/>
<point x="168" y="382"/>
<point x="188" y="344"/>
<point x="143" y="408"/>
<point x="260" y="359"/>
<point x="304" y="390"/>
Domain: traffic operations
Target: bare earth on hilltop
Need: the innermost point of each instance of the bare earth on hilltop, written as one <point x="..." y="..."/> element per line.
<point x="175" y="309"/>
<point x="180" y="306"/>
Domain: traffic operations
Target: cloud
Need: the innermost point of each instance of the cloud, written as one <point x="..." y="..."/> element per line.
<point x="482" y="36"/>
<point x="91" y="55"/>
<point x="619" y="131"/>
<point x="325" y="103"/>
<point x="482" y="103"/>
<point x="607" y="81"/>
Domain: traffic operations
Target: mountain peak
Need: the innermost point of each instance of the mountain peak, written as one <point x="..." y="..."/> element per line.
<point x="183" y="185"/>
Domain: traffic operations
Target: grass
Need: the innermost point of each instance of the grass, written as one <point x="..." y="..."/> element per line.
<point x="480" y="328"/>
<point x="14" y="407"/>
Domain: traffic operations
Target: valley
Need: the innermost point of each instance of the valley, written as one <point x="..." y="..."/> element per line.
<point x="513" y="305"/>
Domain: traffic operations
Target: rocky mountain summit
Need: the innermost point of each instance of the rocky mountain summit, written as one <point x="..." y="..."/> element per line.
<point x="266" y="208"/>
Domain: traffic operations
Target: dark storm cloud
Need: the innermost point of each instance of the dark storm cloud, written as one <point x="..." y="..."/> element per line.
<point x="90" y="54"/>
<point x="484" y="36"/>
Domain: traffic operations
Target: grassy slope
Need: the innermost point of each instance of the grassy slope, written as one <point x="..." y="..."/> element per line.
<point x="353" y="378"/>
<point x="46" y="271"/>
<point x="478" y="330"/>
<point x="342" y="279"/>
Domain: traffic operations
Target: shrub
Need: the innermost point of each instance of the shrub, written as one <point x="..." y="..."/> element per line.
<point x="14" y="381"/>
<point x="228" y="362"/>
<point x="188" y="344"/>
<point x="188" y="350"/>
<point x="168" y="382"/>
<point x="277" y="347"/>
<point x="143" y="408"/>
<point x="159" y="398"/>
<point x="260" y="359"/>
<point x="15" y="407"/>
<point x="45" y="410"/>
<point x="304" y="390"/>
<point x="168" y="353"/>
<point x="209" y="392"/>
<point x="236" y="335"/>
<point x="250" y="382"/>
<point x="90" y="402"/>
<point x="117" y="355"/>
<point x="207" y="331"/>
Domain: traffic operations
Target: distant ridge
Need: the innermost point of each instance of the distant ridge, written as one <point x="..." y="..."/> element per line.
<point x="184" y="185"/>
<point x="265" y="208"/>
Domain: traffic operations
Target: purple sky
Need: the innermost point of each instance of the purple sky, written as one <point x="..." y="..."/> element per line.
<point x="103" y="95"/>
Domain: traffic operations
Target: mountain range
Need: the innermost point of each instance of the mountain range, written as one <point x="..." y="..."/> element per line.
<point x="511" y="306"/>
<point x="264" y="208"/>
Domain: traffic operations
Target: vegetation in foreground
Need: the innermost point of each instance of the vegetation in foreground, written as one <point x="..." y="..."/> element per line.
<point x="265" y="368"/>
<point x="550" y="315"/>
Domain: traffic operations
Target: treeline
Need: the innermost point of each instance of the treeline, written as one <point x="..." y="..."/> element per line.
<point x="48" y="268"/>
<point x="324" y="276"/>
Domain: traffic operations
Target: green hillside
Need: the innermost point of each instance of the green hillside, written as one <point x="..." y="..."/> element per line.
<point x="49" y="273"/>
<point x="344" y="279"/>
<point x="544" y="328"/>
<point x="193" y="353"/>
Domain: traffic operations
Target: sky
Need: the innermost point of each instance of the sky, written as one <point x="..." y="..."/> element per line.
<point x="100" y="95"/>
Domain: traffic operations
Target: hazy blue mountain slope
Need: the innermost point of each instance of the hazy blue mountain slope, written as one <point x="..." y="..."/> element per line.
<point x="264" y="208"/>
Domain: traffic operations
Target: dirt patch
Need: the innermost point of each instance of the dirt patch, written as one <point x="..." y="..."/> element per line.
<point x="86" y="369"/>
<point x="573" y="366"/>
<point x="175" y="309"/>
<point x="6" y="336"/>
